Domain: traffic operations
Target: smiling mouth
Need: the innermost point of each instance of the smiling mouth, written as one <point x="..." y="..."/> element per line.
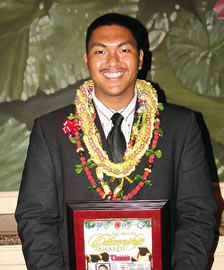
<point x="113" y="74"/>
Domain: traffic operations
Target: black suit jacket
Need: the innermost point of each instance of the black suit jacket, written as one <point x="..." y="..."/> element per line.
<point x="49" y="180"/>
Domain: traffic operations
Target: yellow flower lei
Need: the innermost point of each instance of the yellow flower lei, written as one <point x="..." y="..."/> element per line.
<point x="132" y="156"/>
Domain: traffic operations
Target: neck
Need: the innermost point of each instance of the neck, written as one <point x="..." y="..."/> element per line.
<point x="115" y="103"/>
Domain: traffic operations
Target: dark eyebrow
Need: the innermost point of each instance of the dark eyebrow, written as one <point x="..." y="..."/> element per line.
<point x="98" y="44"/>
<point x="125" y="43"/>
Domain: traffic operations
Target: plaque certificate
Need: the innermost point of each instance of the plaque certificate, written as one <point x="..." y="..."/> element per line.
<point x="118" y="243"/>
<point x="118" y="235"/>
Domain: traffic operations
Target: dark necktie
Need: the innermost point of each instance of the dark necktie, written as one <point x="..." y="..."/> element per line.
<point x="116" y="139"/>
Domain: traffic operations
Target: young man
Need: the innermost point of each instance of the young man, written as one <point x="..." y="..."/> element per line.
<point x="114" y="56"/>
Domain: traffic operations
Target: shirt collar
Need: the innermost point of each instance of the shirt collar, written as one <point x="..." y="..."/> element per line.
<point x="108" y="113"/>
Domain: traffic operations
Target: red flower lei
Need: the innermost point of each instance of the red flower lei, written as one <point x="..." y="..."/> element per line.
<point x="73" y="126"/>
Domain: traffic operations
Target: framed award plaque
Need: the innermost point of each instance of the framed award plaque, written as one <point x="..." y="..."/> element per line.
<point x="119" y="235"/>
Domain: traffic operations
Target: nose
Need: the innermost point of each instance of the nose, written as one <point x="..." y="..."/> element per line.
<point x="113" y="59"/>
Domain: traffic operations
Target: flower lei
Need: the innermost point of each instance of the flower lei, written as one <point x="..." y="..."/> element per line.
<point x="81" y="127"/>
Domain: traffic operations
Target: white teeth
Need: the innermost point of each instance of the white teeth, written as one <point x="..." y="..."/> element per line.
<point x="113" y="75"/>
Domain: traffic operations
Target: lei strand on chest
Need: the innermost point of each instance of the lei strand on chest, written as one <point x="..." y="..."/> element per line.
<point x="144" y="138"/>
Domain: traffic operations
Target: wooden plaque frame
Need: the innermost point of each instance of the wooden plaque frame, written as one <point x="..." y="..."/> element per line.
<point x="156" y="210"/>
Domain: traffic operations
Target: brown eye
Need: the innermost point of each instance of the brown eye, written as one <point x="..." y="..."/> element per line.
<point x="100" y="52"/>
<point x="124" y="50"/>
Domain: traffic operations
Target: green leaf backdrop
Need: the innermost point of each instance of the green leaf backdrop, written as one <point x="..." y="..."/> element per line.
<point x="41" y="59"/>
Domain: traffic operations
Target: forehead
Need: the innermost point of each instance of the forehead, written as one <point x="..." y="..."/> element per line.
<point x="111" y="34"/>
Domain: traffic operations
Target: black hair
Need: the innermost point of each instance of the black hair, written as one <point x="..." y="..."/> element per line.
<point x="137" y="29"/>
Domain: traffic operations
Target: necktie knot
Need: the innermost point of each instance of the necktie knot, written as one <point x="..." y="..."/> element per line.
<point x="117" y="119"/>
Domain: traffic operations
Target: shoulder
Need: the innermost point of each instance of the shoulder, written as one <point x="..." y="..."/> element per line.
<point x="56" y="117"/>
<point x="177" y="114"/>
<point x="175" y="110"/>
<point x="178" y="121"/>
<point x="51" y="124"/>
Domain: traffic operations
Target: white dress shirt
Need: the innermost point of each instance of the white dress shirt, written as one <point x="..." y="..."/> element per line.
<point x="106" y="113"/>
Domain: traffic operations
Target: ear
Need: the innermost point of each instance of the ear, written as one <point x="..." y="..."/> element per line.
<point x="141" y="56"/>
<point x="86" y="61"/>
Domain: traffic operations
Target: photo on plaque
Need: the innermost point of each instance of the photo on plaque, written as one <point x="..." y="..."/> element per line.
<point x="123" y="235"/>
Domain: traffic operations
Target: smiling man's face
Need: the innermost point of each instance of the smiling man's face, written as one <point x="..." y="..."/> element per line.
<point x="113" y="61"/>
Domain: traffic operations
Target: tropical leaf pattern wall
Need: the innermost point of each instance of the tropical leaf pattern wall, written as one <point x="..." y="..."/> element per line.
<point x="41" y="58"/>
